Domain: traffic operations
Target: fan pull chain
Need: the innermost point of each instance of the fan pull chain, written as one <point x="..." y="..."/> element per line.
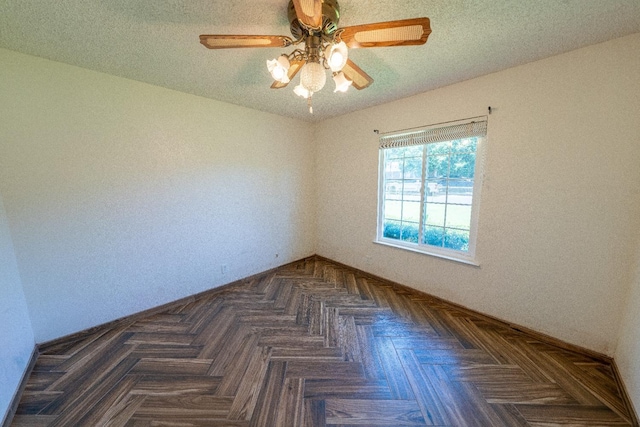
<point x="309" y="104"/>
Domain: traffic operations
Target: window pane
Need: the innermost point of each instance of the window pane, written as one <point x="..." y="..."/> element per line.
<point x="410" y="232"/>
<point x="458" y="216"/>
<point x="459" y="199"/>
<point x="438" y="148"/>
<point x="391" y="229"/>
<point x="456" y="239"/>
<point x="393" y="169"/>
<point x="433" y="236"/>
<point x="412" y="189"/>
<point x="434" y="214"/>
<point x="460" y="187"/>
<point x="411" y="211"/>
<point x="433" y="192"/>
<point x="462" y="165"/>
<point x="437" y="166"/>
<point x="413" y="167"/>
<point x="413" y="151"/>
<point x="464" y="145"/>
<point x="393" y="210"/>
<point x="394" y="153"/>
<point x="393" y="188"/>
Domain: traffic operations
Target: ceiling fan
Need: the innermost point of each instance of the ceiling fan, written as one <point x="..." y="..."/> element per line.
<point x="314" y="23"/>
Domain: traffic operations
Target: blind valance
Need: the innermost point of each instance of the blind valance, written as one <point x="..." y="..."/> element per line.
<point x="435" y="134"/>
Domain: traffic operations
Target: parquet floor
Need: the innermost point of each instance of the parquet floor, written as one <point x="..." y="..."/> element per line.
<point x="317" y="344"/>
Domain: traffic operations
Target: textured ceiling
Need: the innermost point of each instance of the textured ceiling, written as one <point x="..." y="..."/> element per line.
<point x="156" y="41"/>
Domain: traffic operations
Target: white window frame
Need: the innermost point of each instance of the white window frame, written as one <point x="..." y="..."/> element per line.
<point x="467" y="257"/>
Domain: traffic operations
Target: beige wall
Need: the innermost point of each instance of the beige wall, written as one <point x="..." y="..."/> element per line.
<point x="560" y="209"/>
<point x="627" y="355"/>
<point x="16" y="334"/>
<point x="122" y="196"/>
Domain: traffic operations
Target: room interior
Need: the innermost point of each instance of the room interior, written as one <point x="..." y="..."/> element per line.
<point x="131" y="177"/>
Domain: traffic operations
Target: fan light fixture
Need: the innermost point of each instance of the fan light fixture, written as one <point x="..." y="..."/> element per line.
<point x="318" y="57"/>
<point x="323" y="46"/>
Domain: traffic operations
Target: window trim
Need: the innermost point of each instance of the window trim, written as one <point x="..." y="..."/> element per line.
<point x="468" y="257"/>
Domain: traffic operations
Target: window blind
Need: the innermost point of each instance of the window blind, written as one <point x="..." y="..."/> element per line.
<point x="435" y="134"/>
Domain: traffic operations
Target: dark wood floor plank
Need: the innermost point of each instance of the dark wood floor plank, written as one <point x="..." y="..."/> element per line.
<point x="325" y="370"/>
<point x="81" y="410"/>
<point x="453" y="356"/>
<point x="211" y="338"/>
<point x="236" y="371"/>
<point x="184" y="408"/>
<point x="314" y="413"/>
<point x="394" y="372"/>
<point x="236" y="340"/>
<point x="432" y="409"/>
<point x="108" y="399"/>
<point x="290" y="408"/>
<point x="171" y="367"/>
<point x="316" y="344"/>
<point x="370" y="359"/>
<point x="460" y="410"/>
<point x="77" y="381"/>
<point x="509" y="415"/>
<point x="570" y="415"/>
<point x="352" y="389"/>
<point x="373" y="412"/>
<point x="600" y="386"/>
<point x="249" y="388"/>
<point x="33" y="402"/>
<point x="33" y="420"/>
<point x="348" y="339"/>
<point x="121" y="412"/>
<point x="175" y="385"/>
<point x="267" y="403"/>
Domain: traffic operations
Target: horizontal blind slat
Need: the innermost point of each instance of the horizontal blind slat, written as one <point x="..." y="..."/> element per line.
<point x="439" y="134"/>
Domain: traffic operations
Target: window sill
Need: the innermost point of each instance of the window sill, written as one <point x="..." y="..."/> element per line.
<point x="452" y="257"/>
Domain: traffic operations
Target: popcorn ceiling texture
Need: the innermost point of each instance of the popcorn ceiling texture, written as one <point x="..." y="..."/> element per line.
<point x="157" y="42"/>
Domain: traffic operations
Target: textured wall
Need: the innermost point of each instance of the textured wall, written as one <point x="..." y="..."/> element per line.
<point x="16" y="335"/>
<point x="560" y="203"/>
<point x="628" y="351"/>
<point x="122" y="196"/>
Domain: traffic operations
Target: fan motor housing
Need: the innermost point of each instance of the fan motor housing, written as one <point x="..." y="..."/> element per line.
<point x="330" y="19"/>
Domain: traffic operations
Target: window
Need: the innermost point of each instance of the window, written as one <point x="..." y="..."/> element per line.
<point x="430" y="183"/>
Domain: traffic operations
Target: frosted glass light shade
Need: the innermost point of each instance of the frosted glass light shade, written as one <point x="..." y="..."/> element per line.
<point x="301" y="91"/>
<point x="336" y="56"/>
<point x="313" y="76"/>
<point x="342" y="83"/>
<point x="279" y="69"/>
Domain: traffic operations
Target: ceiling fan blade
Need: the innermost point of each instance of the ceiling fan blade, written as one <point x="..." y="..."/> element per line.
<point x="226" y="41"/>
<point x="309" y="12"/>
<point x="354" y="73"/>
<point x="404" y="32"/>
<point x="294" y="67"/>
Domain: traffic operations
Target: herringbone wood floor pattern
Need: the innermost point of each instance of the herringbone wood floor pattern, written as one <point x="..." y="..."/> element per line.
<point x="317" y="344"/>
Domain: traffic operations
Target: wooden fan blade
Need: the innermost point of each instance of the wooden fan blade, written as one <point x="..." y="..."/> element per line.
<point x="354" y="73"/>
<point x="226" y="41"/>
<point x="309" y="12"/>
<point x="294" y="67"/>
<point x="405" y="32"/>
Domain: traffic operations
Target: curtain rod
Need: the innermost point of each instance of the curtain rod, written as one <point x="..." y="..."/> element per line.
<point x="433" y="124"/>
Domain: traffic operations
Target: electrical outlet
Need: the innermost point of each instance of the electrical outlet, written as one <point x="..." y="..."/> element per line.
<point x="223" y="269"/>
